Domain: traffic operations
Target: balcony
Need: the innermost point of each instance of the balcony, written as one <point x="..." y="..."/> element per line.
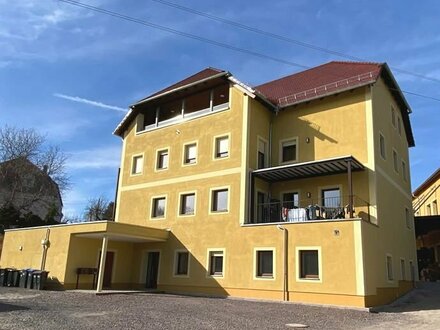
<point x="331" y="209"/>
<point x="329" y="205"/>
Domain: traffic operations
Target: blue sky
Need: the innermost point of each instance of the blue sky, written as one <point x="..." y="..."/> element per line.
<point x="70" y="73"/>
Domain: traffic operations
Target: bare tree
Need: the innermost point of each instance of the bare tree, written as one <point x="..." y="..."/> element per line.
<point x="99" y="209"/>
<point x="26" y="164"/>
<point x="29" y="144"/>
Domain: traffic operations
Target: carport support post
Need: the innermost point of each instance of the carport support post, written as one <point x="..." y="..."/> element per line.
<point x="102" y="263"/>
<point x="350" y="188"/>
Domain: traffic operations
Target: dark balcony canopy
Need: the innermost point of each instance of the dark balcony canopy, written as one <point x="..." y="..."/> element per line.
<point x="308" y="169"/>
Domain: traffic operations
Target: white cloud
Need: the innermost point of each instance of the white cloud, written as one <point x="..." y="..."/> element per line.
<point x="90" y="102"/>
<point x="96" y="158"/>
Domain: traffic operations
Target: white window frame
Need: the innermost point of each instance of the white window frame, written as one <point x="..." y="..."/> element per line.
<point x="298" y="249"/>
<point x="153" y="198"/>
<point x="389" y="271"/>
<point x="266" y="152"/>
<point x="218" y="251"/>
<point x="176" y="264"/>
<point x="402" y="269"/>
<point x="395" y="161"/>
<point x="179" y="210"/>
<point x="382" y="138"/>
<point x="255" y="263"/>
<point x="185" y="153"/>
<point x="287" y="142"/>
<point x="134" y="164"/>
<point x="158" y="152"/>
<point x="211" y="193"/>
<point x="215" y="146"/>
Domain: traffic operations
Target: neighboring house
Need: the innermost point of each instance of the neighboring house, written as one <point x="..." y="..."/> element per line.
<point x="427" y="221"/>
<point x="29" y="189"/>
<point x="297" y="189"/>
<point x="427" y="195"/>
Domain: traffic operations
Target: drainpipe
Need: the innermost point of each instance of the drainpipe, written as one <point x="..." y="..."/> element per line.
<point x="45" y="245"/>
<point x="285" y="265"/>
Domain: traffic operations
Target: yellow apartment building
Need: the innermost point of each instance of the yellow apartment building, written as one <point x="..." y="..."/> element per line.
<point x="427" y="195"/>
<point x="296" y="190"/>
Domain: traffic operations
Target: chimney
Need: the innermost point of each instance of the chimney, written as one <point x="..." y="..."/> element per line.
<point x="45" y="168"/>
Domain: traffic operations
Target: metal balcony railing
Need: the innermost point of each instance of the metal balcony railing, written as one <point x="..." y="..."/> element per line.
<point x="332" y="208"/>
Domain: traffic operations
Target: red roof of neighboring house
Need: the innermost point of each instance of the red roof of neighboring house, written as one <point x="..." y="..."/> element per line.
<point x="428" y="182"/>
<point x="320" y="80"/>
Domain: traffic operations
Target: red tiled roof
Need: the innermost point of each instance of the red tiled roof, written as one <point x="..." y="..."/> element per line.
<point x="205" y="73"/>
<point x="320" y="80"/>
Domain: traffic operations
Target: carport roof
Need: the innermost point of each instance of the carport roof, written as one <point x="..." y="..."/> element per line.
<point x="308" y="169"/>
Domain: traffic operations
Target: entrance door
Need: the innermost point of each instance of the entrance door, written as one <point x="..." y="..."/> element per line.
<point x="152" y="270"/>
<point x="108" y="269"/>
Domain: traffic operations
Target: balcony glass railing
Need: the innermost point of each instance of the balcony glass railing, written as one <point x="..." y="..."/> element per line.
<point x="332" y="208"/>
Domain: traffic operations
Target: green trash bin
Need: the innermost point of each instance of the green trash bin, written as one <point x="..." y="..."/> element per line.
<point x="25" y="278"/>
<point x="39" y="278"/>
<point x="12" y="277"/>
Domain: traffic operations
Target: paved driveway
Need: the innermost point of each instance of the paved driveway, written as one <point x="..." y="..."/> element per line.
<point x="26" y="309"/>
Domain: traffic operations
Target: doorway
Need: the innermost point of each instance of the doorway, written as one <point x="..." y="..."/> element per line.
<point x="152" y="270"/>
<point x="108" y="269"/>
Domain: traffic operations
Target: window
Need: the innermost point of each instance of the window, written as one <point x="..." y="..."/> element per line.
<point x="158" y="209"/>
<point x="390" y="268"/>
<point x="309" y="264"/>
<point x="219" y="202"/>
<point x="407" y="218"/>
<point x="261" y="155"/>
<point x="181" y="263"/>
<point x="187" y="204"/>
<point x="216" y="263"/>
<point x="331" y="197"/>
<point x="137" y="165"/>
<point x="395" y="161"/>
<point x="291" y="200"/>
<point x="162" y="159"/>
<point x="434" y="208"/>
<point x="289" y="151"/>
<point x="393" y="116"/>
<point x="190" y="154"/>
<point x="428" y="209"/>
<point x="405" y="177"/>
<point x="382" y="147"/>
<point x="264" y="264"/>
<point x="222" y="147"/>
<point x="402" y="269"/>
<point x="399" y="126"/>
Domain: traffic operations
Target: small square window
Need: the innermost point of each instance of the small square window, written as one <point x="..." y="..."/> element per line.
<point x="137" y="165"/>
<point x="395" y="161"/>
<point x="187" y="204"/>
<point x="289" y="151"/>
<point x="309" y="264"/>
<point x="222" y="147"/>
<point x="190" y="154"/>
<point x="162" y="159"/>
<point x="216" y="263"/>
<point x="390" y="275"/>
<point x="219" y="201"/>
<point x="181" y="262"/>
<point x="158" y="209"/>
<point x="382" y="146"/>
<point x="264" y="264"/>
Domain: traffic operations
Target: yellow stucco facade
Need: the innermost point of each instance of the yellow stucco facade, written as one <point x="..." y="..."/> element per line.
<point x="215" y="225"/>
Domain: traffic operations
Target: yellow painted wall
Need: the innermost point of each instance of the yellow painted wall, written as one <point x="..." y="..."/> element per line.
<point x="393" y="235"/>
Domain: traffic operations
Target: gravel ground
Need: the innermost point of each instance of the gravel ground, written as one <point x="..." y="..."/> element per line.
<point x="28" y="309"/>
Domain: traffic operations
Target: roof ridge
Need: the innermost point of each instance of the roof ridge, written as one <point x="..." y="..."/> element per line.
<point x="357" y="62"/>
